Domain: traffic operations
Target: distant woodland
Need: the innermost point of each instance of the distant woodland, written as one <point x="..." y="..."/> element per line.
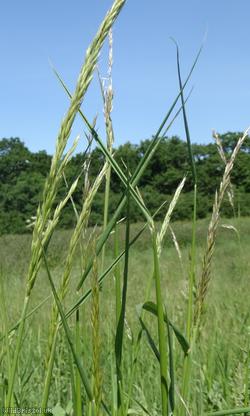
<point x="22" y="176"/>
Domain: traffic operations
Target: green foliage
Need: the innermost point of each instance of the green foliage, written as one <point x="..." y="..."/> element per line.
<point x="223" y="349"/>
<point x="23" y="173"/>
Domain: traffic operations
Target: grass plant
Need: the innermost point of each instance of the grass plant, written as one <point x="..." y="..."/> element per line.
<point x="141" y="341"/>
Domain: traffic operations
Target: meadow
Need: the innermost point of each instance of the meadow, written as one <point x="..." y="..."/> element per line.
<point x="125" y="319"/>
<point x="220" y="377"/>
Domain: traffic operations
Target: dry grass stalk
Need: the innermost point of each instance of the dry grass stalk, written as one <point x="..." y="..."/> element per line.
<point x="108" y="102"/>
<point x="176" y="244"/>
<point x="165" y="224"/>
<point x="87" y="163"/>
<point x="81" y="224"/>
<point x="212" y="229"/>
<point x="107" y="93"/>
<point x="44" y="227"/>
<point x="178" y="250"/>
<point x="47" y="219"/>
<point x="51" y="185"/>
<point x="221" y="152"/>
<point x="231" y="227"/>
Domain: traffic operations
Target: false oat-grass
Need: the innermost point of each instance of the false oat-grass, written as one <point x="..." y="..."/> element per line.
<point x="192" y="266"/>
<point x="164" y="349"/>
<point x="107" y="94"/>
<point x="56" y="170"/>
<point x="157" y="242"/>
<point x="80" y="227"/>
<point x="212" y="230"/>
<point x="230" y="191"/>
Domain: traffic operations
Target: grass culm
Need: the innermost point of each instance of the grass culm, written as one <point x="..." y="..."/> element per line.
<point x="130" y="320"/>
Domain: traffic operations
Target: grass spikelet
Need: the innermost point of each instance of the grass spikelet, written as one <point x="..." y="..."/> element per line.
<point x="51" y="185"/>
<point x="165" y="224"/>
<point x="176" y="244"/>
<point x="212" y="230"/>
<point x="230" y="191"/>
<point x="81" y="224"/>
<point x="177" y="248"/>
<point x="107" y="94"/>
<point x="44" y="229"/>
<point x="84" y="80"/>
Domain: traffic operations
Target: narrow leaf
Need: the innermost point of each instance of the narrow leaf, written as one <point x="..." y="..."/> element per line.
<point x="151" y="307"/>
<point x="67" y="331"/>
<point x="121" y="322"/>
<point x="171" y="366"/>
<point x="106" y="273"/>
<point x="150" y="340"/>
<point x="140" y="169"/>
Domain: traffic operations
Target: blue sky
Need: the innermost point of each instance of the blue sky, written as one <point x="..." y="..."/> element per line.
<point x="144" y="73"/>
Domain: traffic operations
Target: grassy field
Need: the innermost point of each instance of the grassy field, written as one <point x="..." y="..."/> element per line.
<point x="220" y="376"/>
<point x="164" y="330"/>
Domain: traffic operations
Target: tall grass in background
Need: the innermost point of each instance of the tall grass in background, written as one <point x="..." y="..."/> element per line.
<point x="78" y="305"/>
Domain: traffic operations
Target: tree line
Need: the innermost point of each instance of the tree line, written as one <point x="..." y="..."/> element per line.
<point x="22" y="176"/>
